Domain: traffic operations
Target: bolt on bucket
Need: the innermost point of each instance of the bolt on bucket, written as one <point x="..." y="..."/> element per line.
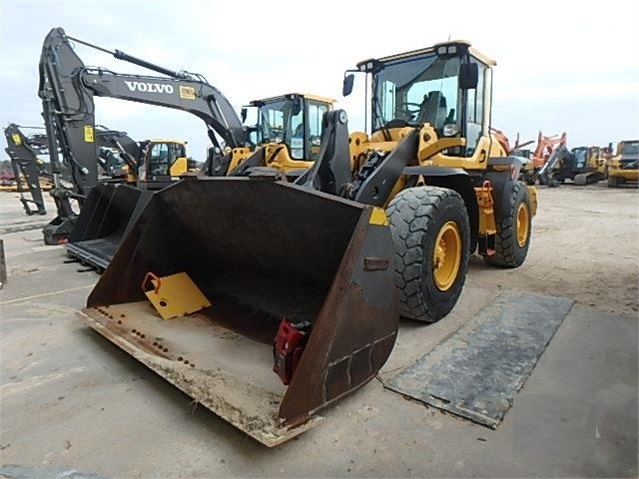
<point x="292" y="293"/>
<point x="106" y="217"/>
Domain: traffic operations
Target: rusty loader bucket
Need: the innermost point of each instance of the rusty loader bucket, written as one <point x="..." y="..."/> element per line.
<point x="278" y="300"/>
<point x="106" y="217"/>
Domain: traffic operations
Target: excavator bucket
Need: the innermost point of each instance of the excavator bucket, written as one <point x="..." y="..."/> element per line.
<point x="106" y="217"/>
<point x="289" y="292"/>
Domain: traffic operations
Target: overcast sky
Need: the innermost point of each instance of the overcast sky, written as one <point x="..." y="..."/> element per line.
<point x="561" y="65"/>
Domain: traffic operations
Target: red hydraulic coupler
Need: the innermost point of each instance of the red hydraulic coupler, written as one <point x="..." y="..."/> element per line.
<point x="288" y="347"/>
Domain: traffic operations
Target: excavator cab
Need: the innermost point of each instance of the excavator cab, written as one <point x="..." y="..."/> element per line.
<point x="162" y="161"/>
<point x="286" y="133"/>
<point x="581" y="155"/>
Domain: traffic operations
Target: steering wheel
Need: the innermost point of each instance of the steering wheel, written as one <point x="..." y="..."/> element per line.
<point x="409" y="113"/>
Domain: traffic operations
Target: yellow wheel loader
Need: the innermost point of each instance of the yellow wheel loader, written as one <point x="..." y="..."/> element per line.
<point x="285" y="134"/>
<point x="624" y="166"/>
<point x="443" y="176"/>
<point x="285" y="296"/>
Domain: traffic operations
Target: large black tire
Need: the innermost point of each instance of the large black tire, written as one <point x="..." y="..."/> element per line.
<point x="417" y="215"/>
<point x="509" y="252"/>
<point x="529" y="178"/>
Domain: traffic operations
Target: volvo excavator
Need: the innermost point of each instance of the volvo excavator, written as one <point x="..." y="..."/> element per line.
<point x="67" y="88"/>
<point x="286" y="295"/>
<point x="285" y="129"/>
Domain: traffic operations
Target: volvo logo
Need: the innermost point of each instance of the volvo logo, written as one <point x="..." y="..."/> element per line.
<point x="149" y="87"/>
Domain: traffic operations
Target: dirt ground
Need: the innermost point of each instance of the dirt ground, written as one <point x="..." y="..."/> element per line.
<point x="73" y="405"/>
<point x="585" y="246"/>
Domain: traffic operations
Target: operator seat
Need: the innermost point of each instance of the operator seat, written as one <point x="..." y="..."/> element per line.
<point x="433" y="110"/>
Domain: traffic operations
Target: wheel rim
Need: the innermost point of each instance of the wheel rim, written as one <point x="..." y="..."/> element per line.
<point x="522" y="225"/>
<point x="447" y="256"/>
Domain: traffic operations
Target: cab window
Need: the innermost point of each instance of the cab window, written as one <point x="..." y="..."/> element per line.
<point x="316" y="112"/>
<point x="159" y="161"/>
<point x="475" y="111"/>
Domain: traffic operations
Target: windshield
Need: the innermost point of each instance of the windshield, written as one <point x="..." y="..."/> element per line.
<point x="581" y="156"/>
<point x="281" y="121"/>
<point x="630" y="149"/>
<point x="163" y="155"/>
<point x="421" y="89"/>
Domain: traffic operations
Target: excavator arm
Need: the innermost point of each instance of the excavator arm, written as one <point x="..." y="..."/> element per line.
<point x="192" y="96"/>
<point x="23" y="151"/>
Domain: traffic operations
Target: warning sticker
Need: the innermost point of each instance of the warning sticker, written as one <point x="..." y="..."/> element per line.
<point x="187" y="92"/>
<point x="88" y="133"/>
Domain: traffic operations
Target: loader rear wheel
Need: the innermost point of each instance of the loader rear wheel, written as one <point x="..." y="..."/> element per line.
<point x="613" y="182"/>
<point x="513" y="230"/>
<point x="431" y="235"/>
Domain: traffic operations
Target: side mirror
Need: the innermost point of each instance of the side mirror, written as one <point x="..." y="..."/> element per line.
<point x="297" y="106"/>
<point x="249" y="115"/>
<point x="347" y="87"/>
<point x="468" y="76"/>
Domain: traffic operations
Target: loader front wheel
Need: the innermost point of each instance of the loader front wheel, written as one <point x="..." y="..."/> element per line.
<point x="431" y="235"/>
<point x="513" y="230"/>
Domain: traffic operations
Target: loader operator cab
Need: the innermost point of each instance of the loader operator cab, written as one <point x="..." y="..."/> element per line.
<point x="446" y="86"/>
<point x="294" y="120"/>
